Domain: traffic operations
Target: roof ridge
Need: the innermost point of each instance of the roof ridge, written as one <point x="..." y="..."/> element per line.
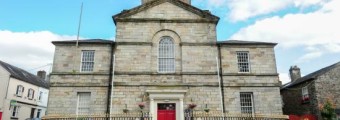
<point x="245" y="42"/>
<point x="312" y="75"/>
<point x="150" y="4"/>
<point x="23" y="75"/>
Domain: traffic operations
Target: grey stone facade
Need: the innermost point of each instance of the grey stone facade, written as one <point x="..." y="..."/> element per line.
<point x="321" y="84"/>
<point x="135" y="69"/>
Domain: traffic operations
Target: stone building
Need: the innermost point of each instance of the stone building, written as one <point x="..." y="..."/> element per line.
<point x="165" y="55"/>
<point x="22" y="94"/>
<point x="303" y="95"/>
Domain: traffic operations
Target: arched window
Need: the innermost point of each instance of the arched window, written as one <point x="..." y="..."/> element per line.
<point x="166" y="55"/>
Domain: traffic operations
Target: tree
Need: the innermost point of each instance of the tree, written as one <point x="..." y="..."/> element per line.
<point x="328" y="110"/>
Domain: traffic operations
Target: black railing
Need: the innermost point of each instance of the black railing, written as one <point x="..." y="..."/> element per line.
<point x="226" y="116"/>
<point x="124" y="116"/>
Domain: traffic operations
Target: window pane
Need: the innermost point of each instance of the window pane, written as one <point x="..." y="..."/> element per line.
<point x="246" y="102"/>
<point x="243" y="61"/>
<point x="84" y="103"/>
<point x="87" y="60"/>
<point x="166" y="55"/>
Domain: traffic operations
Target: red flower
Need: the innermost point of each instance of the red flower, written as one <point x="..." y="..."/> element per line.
<point x="306" y="99"/>
<point x="192" y="105"/>
<point x="141" y="105"/>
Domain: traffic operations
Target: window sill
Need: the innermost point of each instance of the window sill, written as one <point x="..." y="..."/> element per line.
<point x="167" y="73"/>
<point x="243" y="72"/>
<point x="14" y="118"/>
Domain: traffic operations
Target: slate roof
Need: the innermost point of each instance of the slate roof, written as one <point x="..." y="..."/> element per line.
<point x="241" y="42"/>
<point x="203" y="13"/>
<point x="311" y="76"/>
<point x="87" y="41"/>
<point x="23" y="75"/>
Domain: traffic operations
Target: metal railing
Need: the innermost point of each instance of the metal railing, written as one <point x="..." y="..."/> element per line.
<point x="229" y="116"/>
<point x="148" y="116"/>
<point x="123" y="116"/>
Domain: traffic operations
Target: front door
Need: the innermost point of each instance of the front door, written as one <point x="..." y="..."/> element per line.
<point x="32" y="112"/>
<point x="166" y="111"/>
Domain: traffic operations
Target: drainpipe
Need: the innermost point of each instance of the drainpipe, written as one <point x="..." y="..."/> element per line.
<point x="221" y="76"/>
<point x="109" y="90"/>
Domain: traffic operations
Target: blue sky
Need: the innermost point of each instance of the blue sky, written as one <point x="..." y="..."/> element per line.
<point x="306" y="30"/>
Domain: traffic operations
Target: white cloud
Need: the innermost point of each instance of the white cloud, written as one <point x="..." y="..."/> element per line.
<point x="317" y="32"/>
<point x="241" y="10"/>
<point x="284" y="78"/>
<point x="28" y="50"/>
<point x="309" y="56"/>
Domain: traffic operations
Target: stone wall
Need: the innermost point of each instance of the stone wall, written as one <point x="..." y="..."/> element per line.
<point x="266" y="99"/>
<point x="202" y="96"/>
<point x="66" y="80"/>
<point x="63" y="100"/>
<point x="292" y="99"/>
<point x="136" y="67"/>
<point x="145" y="31"/>
<point x="166" y="11"/>
<point x="72" y="80"/>
<point x="261" y="59"/>
<point x="132" y="95"/>
<point x="134" y="57"/>
<point x="67" y="57"/>
<point x="186" y="1"/>
<point x="327" y="87"/>
<point x="320" y="89"/>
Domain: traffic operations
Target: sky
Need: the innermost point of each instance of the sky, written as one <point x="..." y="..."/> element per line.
<point x="307" y="31"/>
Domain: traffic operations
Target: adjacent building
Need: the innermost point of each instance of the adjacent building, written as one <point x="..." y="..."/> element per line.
<point x="165" y="56"/>
<point x="304" y="95"/>
<point x="22" y="94"/>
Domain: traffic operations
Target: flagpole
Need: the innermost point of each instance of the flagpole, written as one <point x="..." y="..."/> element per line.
<point x="77" y="41"/>
<point x="81" y="13"/>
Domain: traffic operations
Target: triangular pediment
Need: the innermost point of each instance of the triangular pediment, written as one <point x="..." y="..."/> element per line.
<point x="167" y="10"/>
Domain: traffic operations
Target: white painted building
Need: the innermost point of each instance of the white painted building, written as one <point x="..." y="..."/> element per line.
<point x="22" y="94"/>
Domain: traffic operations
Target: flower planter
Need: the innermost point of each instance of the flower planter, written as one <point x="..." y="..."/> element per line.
<point x="125" y="110"/>
<point x="192" y="106"/>
<point x="141" y="105"/>
<point x="206" y="110"/>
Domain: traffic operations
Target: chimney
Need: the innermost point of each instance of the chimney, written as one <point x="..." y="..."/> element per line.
<point x="294" y="73"/>
<point x="185" y="1"/>
<point x="41" y="74"/>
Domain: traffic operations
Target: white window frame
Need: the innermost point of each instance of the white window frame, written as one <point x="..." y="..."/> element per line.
<point x="39" y="113"/>
<point x="83" y="102"/>
<point x="304" y="92"/>
<point x="15" y="111"/>
<point x="20" y="90"/>
<point x="240" y="61"/>
<point x="171" y="57"/>
<point x="87" y="61"/>
<point x="245" y="104"/>
<point x="30" y="94"/>
<point x="40" y="95"/>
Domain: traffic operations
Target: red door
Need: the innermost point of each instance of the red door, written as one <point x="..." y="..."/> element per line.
<point x="0" y="115"/>
<point x="166" y="111"/>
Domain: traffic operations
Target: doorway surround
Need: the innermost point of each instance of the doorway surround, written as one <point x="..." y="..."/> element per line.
<point x="167" y="96"/>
